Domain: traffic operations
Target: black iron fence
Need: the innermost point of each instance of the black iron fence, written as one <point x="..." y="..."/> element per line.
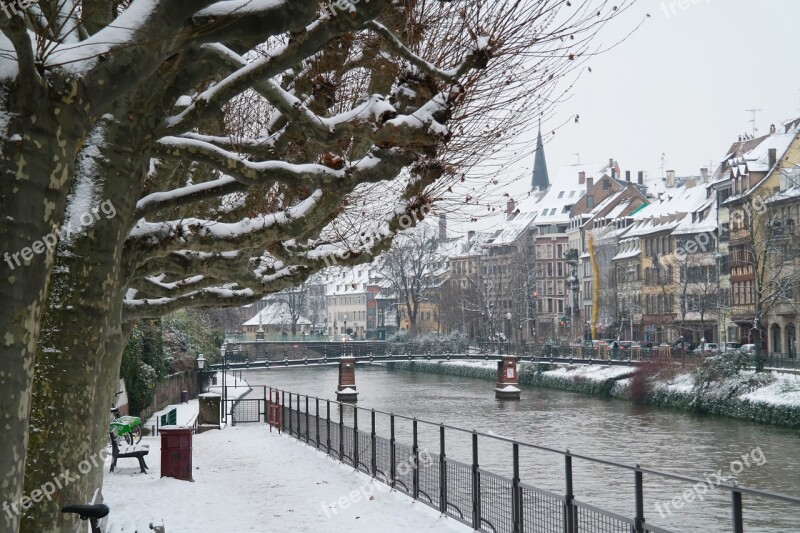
<point x="465" y="491"/>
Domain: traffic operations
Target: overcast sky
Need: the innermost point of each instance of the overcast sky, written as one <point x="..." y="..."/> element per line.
<point x="681" y="86"/>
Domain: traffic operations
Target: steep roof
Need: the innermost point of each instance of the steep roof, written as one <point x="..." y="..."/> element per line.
<point x="540" y="179"/>
<point x="276" y="313"/>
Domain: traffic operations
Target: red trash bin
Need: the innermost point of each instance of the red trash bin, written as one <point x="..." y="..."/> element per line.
<point x="176" y="452"/>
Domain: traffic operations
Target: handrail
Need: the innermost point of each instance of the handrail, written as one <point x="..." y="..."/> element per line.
<point x="565" y="453"/>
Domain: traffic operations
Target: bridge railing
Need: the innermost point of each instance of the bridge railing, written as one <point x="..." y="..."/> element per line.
<point x="373" y="442"/>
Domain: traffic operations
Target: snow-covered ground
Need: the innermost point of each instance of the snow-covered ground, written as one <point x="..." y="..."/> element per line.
<point x="187" y="412"/>
<point x="590" y="372"/>
<point x="247" y="478"/>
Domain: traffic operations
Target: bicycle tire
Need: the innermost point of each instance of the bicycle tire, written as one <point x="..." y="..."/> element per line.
<point x="129" y="438"/>
<point x="136" y="434"/>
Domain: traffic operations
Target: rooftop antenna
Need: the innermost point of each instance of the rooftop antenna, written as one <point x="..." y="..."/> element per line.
<point x="578" y="155"/>
<point x="753" y="120"/>
<point x="663" y="163"/>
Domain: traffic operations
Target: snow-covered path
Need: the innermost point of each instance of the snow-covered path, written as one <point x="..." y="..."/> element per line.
<point x="248" y="479"/>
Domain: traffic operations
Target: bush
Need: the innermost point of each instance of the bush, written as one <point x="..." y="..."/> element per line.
<point x="452" y="343"/>
<point x="144" y="364"/>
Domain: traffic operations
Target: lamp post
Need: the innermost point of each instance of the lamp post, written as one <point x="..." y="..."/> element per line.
<point x="345" y="326"/>
<point x="508" y="331"/>
<point x="718" y="258"/>
<point x="201" y="364"/>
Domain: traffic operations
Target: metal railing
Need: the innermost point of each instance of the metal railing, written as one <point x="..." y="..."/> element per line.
<point x="468" y="492"/>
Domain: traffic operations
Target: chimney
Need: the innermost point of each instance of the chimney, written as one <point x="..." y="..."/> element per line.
<point x="581" y="177"/>
<point x="772" y="128"/>
<point x="613" y="173"/>
<point x="640" y="177"/>
<point x="670" y="178"/>
<point x="442" y="227"/>
<point x="589" y="184"/>
<point x="611" y="162"/>
<point x="470" y="236"/>
<point x="510" y="207"/>
<point x="628" y="176"/>
<point x="704" y="174"/>
<point x="773" y="157"/>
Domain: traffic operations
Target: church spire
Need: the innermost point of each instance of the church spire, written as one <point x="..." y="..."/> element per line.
<point x="540" y="180"/>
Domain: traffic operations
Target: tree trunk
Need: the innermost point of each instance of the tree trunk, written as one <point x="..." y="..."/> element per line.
<point x="36" y="167"/>
<point x="80" y="351"/>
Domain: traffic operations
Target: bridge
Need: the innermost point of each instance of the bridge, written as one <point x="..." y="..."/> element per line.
<point x="348" y="355"/>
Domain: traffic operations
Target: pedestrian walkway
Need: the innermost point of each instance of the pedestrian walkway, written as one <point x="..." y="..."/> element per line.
<point x="248" y="479"/>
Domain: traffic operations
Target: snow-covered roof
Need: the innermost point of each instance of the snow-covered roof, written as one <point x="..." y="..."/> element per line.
<point x="511" y="228"/>
<point x="554" y="206"/>
<point x="276" y="313"/>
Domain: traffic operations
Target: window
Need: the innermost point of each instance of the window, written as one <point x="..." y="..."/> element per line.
<point x="561" y="194"/>
<point x="560" y="269"/>
<point x="571" y="194"/>
<point x="560" y="287"/>
<point x="606" y="185"/>
<point x="589" y="201"/>
<point x="549" y="269"/>
<point x="553" y="211"/>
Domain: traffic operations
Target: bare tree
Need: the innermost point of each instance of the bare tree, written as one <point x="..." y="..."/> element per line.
<point x="413" y="268"/>
<point x="161" y="155"/>
<point x="762" y="249"/>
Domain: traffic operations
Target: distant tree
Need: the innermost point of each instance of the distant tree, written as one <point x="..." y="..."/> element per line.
<point x="413" y="267"/>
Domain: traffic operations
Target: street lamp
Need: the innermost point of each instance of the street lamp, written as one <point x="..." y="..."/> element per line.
<point x="345" y="326"/>
<point x="508" y="330"/>
<point x="201" y="364"/>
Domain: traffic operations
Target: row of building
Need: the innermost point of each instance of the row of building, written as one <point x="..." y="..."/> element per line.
<point x="598" y="252"/>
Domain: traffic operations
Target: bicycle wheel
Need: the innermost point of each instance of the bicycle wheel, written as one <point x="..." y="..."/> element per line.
<point x="129" y="438"/>
<point x="136" y="435"/>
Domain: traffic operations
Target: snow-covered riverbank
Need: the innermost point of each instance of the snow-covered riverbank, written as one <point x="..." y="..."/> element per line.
<point x="769" y="397"/>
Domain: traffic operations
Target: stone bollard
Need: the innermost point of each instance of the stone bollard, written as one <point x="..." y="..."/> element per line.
<point x="209" y="415"/>
<point x="507" y="382"/>
<point x="346" y="392"/>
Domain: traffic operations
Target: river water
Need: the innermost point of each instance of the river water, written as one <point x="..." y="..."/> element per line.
<point x="767" y="457"/>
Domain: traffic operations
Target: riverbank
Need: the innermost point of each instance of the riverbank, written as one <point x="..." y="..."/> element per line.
<point x="767" y="397"/>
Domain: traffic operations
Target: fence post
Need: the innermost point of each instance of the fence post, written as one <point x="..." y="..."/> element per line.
<point x="289" y="415"/>
<point x="476" y="485"/>
<point x="341" y="433"/>
<point x="415" y="465"/>
<point x="266" y="405"/>
<point x="328" y="426"/>
<point x="442" y="473"/>
<point x="392" y="472"/>
<point x="307" y="439"/>
<point x="355" y="437"/>
<point x="516" y="493"/>
<point x="283" y="411"/>
<point x="316" y="420"/>
<point x="639" y="520"/>
<point x="374" y="463"/>
<point x="569" y="509"/>
<point x="299" y="427"/>
<point x="738" y="524"/>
